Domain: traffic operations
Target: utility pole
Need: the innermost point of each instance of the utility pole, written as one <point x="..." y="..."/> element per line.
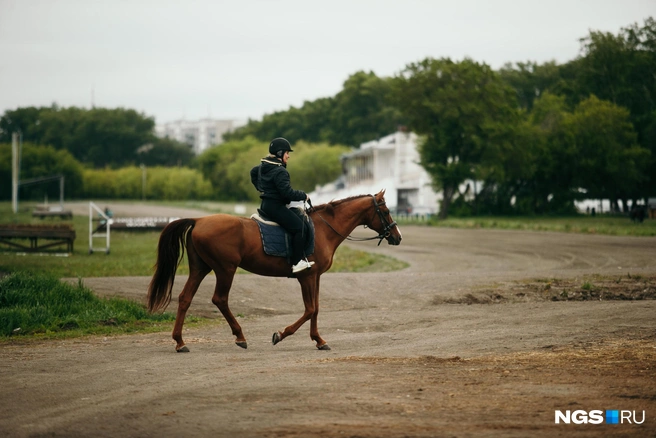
<point x="14" y="172"/>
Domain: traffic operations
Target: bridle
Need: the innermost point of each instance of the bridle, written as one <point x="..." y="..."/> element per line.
<point x="387" y="230"/>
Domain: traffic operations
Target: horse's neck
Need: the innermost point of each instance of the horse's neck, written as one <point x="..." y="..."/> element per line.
<point x="358" y="218"/>
<point x="346" y="219"/>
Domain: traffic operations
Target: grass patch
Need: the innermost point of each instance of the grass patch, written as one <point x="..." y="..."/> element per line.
<point x="40" y="304"/>
<point x="601" y="224"/>
<point x="351" y="260"/>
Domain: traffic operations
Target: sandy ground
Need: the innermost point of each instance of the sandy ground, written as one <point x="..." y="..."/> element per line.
<point x="487" y="333"/>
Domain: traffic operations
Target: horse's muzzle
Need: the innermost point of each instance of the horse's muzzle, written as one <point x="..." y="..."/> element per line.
<point x="394" y="239"/>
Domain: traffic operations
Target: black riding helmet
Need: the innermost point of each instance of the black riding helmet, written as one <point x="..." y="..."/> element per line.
<point x="278" y="146"/>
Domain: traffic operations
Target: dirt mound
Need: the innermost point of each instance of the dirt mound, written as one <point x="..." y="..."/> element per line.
<point x="589" y="288"/>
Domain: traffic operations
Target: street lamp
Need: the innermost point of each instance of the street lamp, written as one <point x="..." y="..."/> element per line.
<point x="143" y="182"/>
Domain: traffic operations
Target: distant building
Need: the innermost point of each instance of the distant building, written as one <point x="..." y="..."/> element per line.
<point x="199" y="134"/>
<point x="390" y="163"/>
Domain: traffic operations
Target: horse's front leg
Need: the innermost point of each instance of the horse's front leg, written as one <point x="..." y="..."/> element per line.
<point x="314" y="328"/>
<point x="308" y="288"/>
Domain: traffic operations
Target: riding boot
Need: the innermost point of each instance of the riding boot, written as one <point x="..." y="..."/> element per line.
<point x="298" y="252"/>
<point x="300" y="263"/>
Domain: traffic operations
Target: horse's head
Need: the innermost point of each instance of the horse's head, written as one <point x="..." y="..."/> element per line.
<point x="382" y="221"/>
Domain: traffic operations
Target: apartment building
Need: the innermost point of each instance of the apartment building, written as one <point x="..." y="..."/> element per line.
<point x="198" y="134"/>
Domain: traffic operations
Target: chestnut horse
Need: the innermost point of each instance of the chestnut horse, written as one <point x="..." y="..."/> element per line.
<point x="222" y="243"/>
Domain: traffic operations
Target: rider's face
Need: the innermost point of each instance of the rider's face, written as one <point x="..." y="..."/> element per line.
<point x="285" y="157"/>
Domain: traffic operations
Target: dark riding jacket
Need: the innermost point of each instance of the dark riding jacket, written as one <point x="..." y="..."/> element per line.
<point x="271" y="179"/>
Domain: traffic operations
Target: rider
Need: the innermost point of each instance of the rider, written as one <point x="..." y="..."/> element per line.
<point x="271" y="179"/>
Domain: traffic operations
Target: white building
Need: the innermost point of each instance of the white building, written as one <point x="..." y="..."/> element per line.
<point x="391" y="163"/>
<point x="199" y="134"/>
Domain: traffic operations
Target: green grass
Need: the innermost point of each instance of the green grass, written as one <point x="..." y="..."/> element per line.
<point x="601" y="224"/>
<point x="131" y="253"/>
<point x="43" y="306"/>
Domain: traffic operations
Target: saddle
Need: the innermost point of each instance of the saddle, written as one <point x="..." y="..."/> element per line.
<point x="276" y="241"/>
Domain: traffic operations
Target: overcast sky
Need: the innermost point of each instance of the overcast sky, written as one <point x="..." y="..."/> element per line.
<point x="243" y="59"/>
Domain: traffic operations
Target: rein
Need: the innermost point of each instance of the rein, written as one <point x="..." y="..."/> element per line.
<point x="386" y="231"/>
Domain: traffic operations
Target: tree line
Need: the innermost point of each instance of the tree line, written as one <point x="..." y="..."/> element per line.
<point x="536" y="136"/>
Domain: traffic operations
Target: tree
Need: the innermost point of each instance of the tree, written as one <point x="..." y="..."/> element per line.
<point x="530" y="80"/>
<point x="466" y="116"/>
<point x="313" y="164"/>
<point x="589" y="152"/>
<point x="620" y="68"/>
<point x="608" y="158"/>
<point x="363" y="110"/>
<point x="226" y="167"/>
<point x="164" y="152"/>
<point x="36" y="162"/>
<point x="309" y="123"/>
<point x="26" y="121"/>
<point x="100" y="136"/>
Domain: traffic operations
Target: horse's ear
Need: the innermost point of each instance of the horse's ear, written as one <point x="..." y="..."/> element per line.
<point x="381" y="194"/>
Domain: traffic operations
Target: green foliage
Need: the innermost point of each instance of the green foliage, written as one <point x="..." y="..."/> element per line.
<point x="588" y="152"/>
<point x="171" y="183"/>
<point x="40" y="303"/>
<point x="162" y="183"/>
<point x="315" y="164"/>
<point x="36" y="162"/>
<point x="307" y="123"/>
<point x="620" y="69"/>
<point x="228" y="166"/>
<point x="530" y="80"/>
<point x="608" y="158"/>
<point x="165" y="152"/>
<point x="99" y="137"/>
<point x="466" y="116"/>
<point x="363" y="110"/>
<point x="360" y="112"/>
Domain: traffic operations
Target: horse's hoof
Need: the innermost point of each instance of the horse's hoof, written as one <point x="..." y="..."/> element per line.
<point x="325" y="347"/>
<point x="276" y="338"/>
<point x="242" y="344"/>
<point x="183" y="349"/>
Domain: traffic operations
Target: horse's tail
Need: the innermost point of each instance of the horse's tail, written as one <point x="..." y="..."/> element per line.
<point x="170" y="251"/>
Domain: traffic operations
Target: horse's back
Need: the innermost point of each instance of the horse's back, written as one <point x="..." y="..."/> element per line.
<point x="220" y="225"/>
<point x="225" y="236"/>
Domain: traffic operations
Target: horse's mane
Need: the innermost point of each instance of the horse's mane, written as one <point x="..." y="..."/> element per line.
<point x="337" y="202"/>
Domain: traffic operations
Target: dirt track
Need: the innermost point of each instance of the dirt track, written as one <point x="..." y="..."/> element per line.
<point x="409" y="357"/>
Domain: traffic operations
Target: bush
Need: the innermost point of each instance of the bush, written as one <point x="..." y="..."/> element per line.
<point x="162" y="183"/>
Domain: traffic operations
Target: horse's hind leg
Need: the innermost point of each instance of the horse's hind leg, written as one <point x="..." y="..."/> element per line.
<point x="198" y="269"/>
<point x="314" y="328"/>
<point x="224" y="279"/>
